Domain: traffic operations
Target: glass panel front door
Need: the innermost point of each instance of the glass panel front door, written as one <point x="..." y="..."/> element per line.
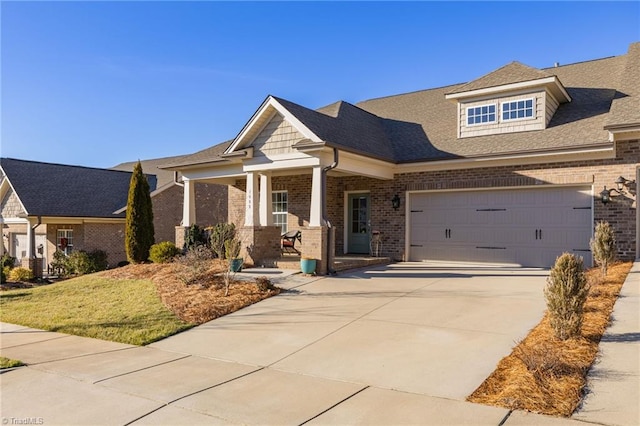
<point x="358" y="222"/>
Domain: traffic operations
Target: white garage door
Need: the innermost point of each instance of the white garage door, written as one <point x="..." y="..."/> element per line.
<point x="529" y="227"/>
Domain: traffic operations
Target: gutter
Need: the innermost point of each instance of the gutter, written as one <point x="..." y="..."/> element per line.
<point x="325" y="219"/>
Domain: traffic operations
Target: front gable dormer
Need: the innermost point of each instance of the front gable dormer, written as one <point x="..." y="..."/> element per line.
<point x="514" y="98"/>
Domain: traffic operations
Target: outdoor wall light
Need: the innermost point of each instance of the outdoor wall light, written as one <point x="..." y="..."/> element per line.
<point x="605" y="195"/>
<point x="395" y="202"/>
<point x="622" y="182"/>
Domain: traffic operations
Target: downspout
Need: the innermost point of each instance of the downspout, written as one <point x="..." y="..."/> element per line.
<point x="325" y="219"/>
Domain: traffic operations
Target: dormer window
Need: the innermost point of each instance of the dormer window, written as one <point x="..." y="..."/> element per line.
<point x="482" y="114"/>
<point x="519" y="109"/>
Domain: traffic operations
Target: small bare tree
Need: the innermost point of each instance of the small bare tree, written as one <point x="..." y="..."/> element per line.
<point x="603" y="246"/>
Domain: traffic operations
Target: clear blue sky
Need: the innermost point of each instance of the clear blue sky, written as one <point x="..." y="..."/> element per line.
<point x="100" y="83"/>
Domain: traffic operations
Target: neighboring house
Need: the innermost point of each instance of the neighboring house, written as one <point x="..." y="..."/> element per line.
<point x="64" y="208"/>
<point x="210" y="200"/>
<point x="508" y="168"/>
<point x="70" y="208"/>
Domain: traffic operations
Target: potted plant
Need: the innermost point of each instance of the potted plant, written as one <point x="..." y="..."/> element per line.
<point x="307" y="265"/>
<point x="232" y="253"/>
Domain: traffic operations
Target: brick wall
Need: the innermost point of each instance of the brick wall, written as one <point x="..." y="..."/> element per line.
<point x="108" y="237"/>
<point x="211" y="208"/>
<point x="621" y="213"/>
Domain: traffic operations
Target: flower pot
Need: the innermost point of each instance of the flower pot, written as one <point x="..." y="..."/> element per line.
<point x="308" y="266"/>
<point x="235" y="265"/>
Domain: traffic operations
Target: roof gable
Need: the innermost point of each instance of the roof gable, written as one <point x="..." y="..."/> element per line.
<point x="47" y="189"/>
<point x="514" y="72"/>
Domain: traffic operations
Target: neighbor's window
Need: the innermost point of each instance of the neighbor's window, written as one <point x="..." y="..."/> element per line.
<point x="519" y="109"/>
<point x="65" y="240"/>
<point x="481" y="114"/>
<point x="280" y="207"/>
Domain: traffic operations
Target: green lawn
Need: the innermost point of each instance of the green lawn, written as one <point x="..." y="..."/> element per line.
<point x="126" y="311"/>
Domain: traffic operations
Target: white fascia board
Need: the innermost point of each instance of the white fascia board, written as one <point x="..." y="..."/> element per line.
<point x="4" y="188"/>
<point x="293" y="163"/>
<point x="509" y="160"/>
<point x="54" y="220"/>
<point x="364" y="166"/>
<point x="14" y="220"/>
<point x="268" y="109"/>
<point x="223" y="171"/>
<point x="624" y="133"/>
<point x="550" y="82"/>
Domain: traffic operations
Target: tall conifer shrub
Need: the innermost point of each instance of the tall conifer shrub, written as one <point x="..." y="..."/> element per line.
<point x="139" y="231"/>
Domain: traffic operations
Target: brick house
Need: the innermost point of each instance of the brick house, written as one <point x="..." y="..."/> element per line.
<point x="514" y="167"/>
<point x="46" y="207"/>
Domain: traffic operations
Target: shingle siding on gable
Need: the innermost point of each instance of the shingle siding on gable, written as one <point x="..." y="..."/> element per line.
<point x="277" y="137"/>
<point x="11" y="206"/>
<point x="500" y="126"/>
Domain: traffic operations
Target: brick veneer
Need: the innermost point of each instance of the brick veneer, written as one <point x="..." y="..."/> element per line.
<point x="260" y="245"/>
<point x="620" y="213"/>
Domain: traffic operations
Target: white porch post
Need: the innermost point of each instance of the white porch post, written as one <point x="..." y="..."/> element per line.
<point x="30" y="239"/>
<point x="189" y="204"/>
<point x="315" y="214"/>
<point x="266" y="209"/>
<point x="251" y="203"/>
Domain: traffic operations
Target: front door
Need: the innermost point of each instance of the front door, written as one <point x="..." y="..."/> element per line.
<point x="358" y="223"/>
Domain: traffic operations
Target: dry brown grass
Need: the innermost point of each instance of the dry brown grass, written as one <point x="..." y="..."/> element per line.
<point x="195" y="303"/>
<point x="546" y="375"/>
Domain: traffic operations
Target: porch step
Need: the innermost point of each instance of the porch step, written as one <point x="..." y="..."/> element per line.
<point x="341" y="263"/>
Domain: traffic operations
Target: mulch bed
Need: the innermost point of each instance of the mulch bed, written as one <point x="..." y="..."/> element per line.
<point x="200" y="302"/>
<point x="546" y="375"/>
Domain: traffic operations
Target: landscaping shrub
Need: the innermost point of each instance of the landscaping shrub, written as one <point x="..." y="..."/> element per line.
<point x="3" y="276"/>
<point x="139" y="233"/>
<point x="7" y="261"/>
<point x="163" y="252"/>
<point x="20" y="274"/>
<point x="220" y="234"/>
<point x="264" y="284"/>
<point x="603" y="246"/>
<point x="62" y="264"/>
<point x="565" y="293"/>
<point x="195" y="236"/>
<point x="195" y="265"/>
<point x="82" y="262"/>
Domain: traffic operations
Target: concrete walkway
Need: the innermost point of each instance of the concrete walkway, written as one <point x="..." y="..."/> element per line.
<point x="403" y="344"/>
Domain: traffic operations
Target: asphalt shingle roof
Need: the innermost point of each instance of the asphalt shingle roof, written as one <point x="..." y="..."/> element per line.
<point x="47" y="189"/>
<point x="422" y="125"/>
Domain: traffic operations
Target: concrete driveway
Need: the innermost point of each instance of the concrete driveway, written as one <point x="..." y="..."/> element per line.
<point x="399" y="344"/>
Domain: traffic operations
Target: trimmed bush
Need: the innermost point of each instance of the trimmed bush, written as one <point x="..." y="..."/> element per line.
<point x="195" y="236"/>
<point x="566" y="293"/>
<point x="220" y="234"/>
<point x="603" y="246"/>
<point x="3" y="276"/>
<point x="7" y="261"/>
<point x="62" y="264"/>
<point x="20" y="274"/>
<point x="163" y="252"/>
<point x="82" y="262"/>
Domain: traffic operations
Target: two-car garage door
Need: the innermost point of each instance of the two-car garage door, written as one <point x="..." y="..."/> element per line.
<point x="529" y="227"/>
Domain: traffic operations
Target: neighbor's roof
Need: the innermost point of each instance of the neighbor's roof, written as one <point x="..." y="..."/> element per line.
<point x="164" y="177"/>
<point x="422" y="125"/>
<point x="47" y="189"/>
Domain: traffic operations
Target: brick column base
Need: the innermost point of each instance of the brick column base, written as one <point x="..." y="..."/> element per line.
<point x="260" y="245"/>
<point x="314" y="245"/>
<point x="34" y="264"/>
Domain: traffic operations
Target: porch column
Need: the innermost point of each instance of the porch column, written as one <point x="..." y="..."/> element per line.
<point x="266" y="209"/>
<point x="315" y="213"/>
<point x="189" y="204"/>
<point x="251" y="203"/>
<point x="30" y="240"/>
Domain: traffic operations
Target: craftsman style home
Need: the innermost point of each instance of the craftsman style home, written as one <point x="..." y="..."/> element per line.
<point x="46" y="207"/>
<point x="514" y="167"/>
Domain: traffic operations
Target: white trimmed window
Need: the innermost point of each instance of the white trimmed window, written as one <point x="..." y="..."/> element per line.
<point x="280" y="206"/>
<point x="482" y="114"/>
<point x="518" y="110"/>
<point x="64" y="240"/>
